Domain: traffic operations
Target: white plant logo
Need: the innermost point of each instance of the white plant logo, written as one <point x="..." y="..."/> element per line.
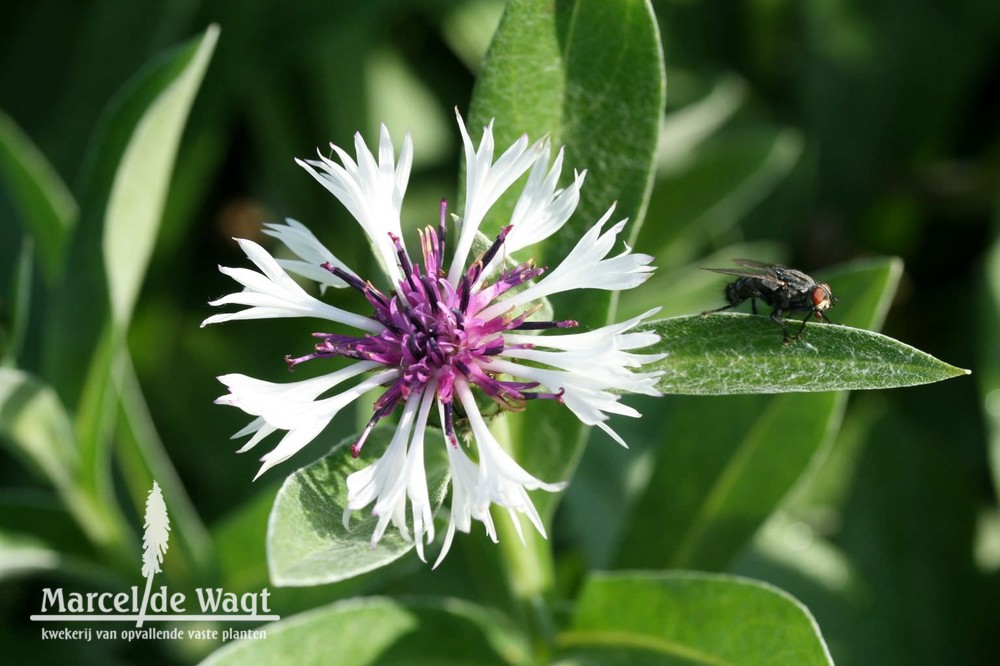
<point x="157" y="603"/>
<point x="156" y="534"/>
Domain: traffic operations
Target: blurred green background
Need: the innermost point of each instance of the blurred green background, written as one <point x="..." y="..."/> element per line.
<point x="808" y="132"/>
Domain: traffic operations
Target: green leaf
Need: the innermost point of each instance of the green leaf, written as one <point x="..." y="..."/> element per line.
<point x="24" y="555"/>
<point x="46" y="207"/>
<point x="143" y="459"/>
<point x="989" y="377"/>
<point x="687" y="128"/>
<point x="307" y="543"/>
<point x="725" y="463"/>
<point x="38" y="430"/>
<point x="687" y="618"/>
<point x="35" y="425"/>
<point x="128" y="172"/>
<point x="387" y="632"/>
<point x="727" y="353"/>
<point x="139" y="189"/>
<point x="43" y="516"/>
<point x="240" y="540"/>
<point x="12" y="339"/>
<point x="589" y="74"/>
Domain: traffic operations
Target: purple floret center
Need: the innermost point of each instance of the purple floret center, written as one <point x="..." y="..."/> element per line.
<point x="433" y="333"/>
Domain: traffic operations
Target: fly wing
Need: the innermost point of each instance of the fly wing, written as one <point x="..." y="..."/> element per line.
<point x="797" y="281"/>
<point x="750" y="263"/>
<point x="764" y="273"/>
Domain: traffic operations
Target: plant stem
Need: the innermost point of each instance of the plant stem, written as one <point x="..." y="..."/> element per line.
<point x="528" y="569"/>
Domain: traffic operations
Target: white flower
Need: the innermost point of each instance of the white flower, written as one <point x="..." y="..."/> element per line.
<point x="441" y="332"/>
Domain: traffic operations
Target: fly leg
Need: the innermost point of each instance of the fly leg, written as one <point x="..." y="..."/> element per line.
<point x="753" y="304"/>
<point x="803" y="326"/>
<point x="724" y="307"/>
<point x="779" y="320"/>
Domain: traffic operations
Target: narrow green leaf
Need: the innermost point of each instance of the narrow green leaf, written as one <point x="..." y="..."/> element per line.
<point x="47" y="209"/>
<point x="687" y="618"/>
<point x="726" y="462"/>
<point x="35" y="425"/>
<point x="717" y="479"/>
<point x="387" y="632"/>
<point x="135" y="203"/>
<point x="127" y="173"/>
<point x="12" y="338"/>
<point x="24" y="555"/>
<point x="687" y="128"/>
<point x="989" y="377"/>
<point x="85" y="350"/>
<point x="44" y="516"/>
<point x="307" y="543"/>
<point x="143" y="459"/>
<point x="729" y="353"/>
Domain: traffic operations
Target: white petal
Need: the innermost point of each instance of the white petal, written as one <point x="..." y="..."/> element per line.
<point x="585" y="267"/>
<point x="294" y="407"/>
<point x="497" y="479"/>
<point x="495" y="464"/>
<point x="602" y="365"/>
<point x="310" y="252"/>
<point x="594" y="338"/>
<point x="388" y="481"/>
<point x="397" y="476"/>
<point x="281" y="404"/>
<point x="587" y="393"/>
<point x="258" y="428"/>
<point x="600" y="354"/>
<point x="293" y="441"/>
<point x="593" y="368"/>
<point x="416" y="475"/>
<point x="272" y="293"/>
<point x="542" y="210"/>
<point x="485" y="182"/>
<point x="372" y="191"/>
<point x="464" y="477"/>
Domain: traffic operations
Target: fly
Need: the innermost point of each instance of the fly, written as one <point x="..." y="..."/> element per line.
<point x="786" y="290"/>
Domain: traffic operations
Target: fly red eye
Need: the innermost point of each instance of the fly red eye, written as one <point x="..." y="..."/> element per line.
<point x="820" y="296"/>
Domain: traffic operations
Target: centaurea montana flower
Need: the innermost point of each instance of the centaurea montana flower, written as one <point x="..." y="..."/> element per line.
<point x="442" y="332"/>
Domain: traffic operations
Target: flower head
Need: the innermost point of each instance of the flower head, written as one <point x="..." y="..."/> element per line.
<point x="442" y="332"/>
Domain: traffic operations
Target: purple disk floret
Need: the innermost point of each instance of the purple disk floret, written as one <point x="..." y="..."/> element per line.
<point x="433" y="332"/>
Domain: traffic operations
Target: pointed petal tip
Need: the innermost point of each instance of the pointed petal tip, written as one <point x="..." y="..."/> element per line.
<point x="650" y="312"/>
<point x="246" y="447"/>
